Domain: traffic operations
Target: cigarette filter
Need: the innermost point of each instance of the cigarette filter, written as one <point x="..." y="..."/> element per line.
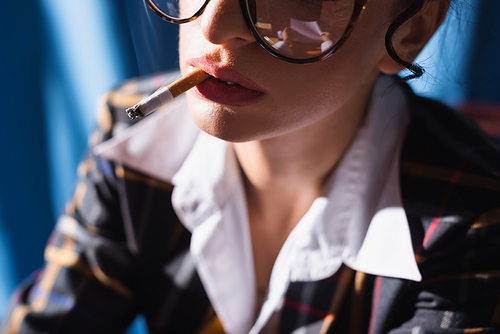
<point x="166" y="94"/>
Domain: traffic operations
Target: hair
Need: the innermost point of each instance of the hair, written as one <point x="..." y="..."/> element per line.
<point x="414" y="7"/>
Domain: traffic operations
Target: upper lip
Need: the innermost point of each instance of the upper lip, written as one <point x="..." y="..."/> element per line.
<point x="225" y="73"/>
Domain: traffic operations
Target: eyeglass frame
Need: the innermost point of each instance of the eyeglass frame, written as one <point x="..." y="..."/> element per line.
<point x="359" y="6"/>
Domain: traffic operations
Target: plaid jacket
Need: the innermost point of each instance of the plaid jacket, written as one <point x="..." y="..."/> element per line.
<point x="118" y="248"/>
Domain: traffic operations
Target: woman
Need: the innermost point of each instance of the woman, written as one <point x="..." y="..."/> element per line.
<point x="302" y="199"/>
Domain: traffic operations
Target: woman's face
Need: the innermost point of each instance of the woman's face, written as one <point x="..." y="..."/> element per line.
<point x="272" y="97"/>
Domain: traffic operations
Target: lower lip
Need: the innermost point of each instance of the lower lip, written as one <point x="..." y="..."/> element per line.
<point x="221" y="92"/>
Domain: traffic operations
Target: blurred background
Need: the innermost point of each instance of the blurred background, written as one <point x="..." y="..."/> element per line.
<point x="59" y="57"/>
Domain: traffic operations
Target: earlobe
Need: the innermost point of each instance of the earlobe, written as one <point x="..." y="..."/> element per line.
<point x="414" y="34"/>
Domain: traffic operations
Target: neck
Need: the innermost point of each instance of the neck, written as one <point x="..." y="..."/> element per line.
<point x="283" y="176"/>
<point x="294" y="166"/>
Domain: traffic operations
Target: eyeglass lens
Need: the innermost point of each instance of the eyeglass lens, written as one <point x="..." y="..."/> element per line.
<point x="179" y="9"/>
<point x="298" y="29"/>
<point x="301" y="29"/>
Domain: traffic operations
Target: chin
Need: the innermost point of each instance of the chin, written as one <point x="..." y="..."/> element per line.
<point x="240" y="124"/>
<point x="222" y="122"/>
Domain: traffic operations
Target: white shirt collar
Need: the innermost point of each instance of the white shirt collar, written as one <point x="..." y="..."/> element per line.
<point x="358" y="221"/>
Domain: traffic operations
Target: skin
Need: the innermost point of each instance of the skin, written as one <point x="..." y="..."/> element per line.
<point x="291" y="140"/>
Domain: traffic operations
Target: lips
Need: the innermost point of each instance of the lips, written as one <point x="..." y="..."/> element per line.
<point x="226" y="86"/>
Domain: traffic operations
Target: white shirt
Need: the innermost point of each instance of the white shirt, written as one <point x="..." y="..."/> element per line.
<point x="359" y="219"/>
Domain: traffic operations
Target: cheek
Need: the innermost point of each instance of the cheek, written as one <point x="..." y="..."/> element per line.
<point x="183" y="38"/>
<point x="189" y="42"/>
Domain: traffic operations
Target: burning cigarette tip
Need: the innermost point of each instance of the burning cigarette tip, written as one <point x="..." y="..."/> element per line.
<point x="133" y="112"/>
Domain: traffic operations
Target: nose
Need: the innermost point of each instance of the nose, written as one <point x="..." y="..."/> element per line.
<point x="223" y="23"/>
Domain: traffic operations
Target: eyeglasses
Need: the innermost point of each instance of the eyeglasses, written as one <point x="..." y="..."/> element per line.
<point x="297" y="31"/>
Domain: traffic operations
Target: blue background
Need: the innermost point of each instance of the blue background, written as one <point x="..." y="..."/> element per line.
<point x="58" y="57"/>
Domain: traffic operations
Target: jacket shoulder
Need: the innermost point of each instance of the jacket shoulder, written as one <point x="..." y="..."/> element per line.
<point x="442" y="144"/>
<point x="444" y="137"/>
<point x="450" y="184"/>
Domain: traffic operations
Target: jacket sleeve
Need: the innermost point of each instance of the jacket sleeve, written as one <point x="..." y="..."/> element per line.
<point x="88" y="283"/>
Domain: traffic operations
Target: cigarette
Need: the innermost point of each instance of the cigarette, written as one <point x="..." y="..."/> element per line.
<point x="166" y="94"/>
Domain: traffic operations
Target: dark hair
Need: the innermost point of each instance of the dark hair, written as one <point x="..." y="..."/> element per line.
<point x="414" y="7"/>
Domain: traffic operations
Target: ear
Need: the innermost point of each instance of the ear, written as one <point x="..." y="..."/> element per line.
<point x="414" y="34"/>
